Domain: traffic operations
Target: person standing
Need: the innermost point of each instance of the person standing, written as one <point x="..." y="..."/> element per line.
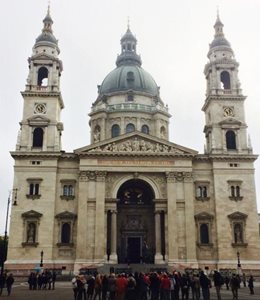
<point x="205" y="284"/>
<point x="234" y="284"/>
<point x="9" y="283"/>
<point x="251" y="284"/>
<point x="2" y="282"/>
<point x="54" y="275"/>
<point x="218" y="281"/>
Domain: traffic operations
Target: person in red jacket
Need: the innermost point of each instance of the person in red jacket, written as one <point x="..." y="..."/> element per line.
<point x="165" y="287"/>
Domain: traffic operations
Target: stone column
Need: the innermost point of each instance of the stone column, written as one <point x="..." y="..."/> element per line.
<point x="189" y="218"/>
<point x="81" y="222"/>
<point x="172" y="218"/>
<point x="113" y="255"/>
<point x="158" y="241"/>
<point x="100" y="217"/>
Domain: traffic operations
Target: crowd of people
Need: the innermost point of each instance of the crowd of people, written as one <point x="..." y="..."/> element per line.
<point x="156" y="286"/>
<point x="42" y="281"/>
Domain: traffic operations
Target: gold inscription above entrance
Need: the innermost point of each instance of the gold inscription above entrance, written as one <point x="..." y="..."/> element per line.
<point x="134" y="162"/>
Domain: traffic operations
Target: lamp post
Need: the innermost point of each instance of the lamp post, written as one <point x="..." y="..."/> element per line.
<point x="238" y="260"/>
<point x="5" y="236"/>
<point x="41" y="263"/>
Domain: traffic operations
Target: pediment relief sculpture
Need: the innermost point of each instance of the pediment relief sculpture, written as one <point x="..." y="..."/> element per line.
<point x="138" y="145"/>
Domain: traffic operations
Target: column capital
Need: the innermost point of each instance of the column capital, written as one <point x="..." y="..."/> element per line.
<point x="188" y="176"/>
<point x="170" y="176"/>
<point x="83" y="176"/>
<point x="113" y="211"/>
<point x="101" y="175"/>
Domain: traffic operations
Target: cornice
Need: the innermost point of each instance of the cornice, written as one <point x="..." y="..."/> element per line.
<point x="134" y="154"/>
<point x="223" y="97"/>
<point x="59" y="155"/>
<point x="44" y="94"/>
<point x="225" y="157"/>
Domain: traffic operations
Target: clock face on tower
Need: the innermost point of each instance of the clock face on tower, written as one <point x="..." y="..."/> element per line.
<point x="228" y="111"/>
<point x="40" y="108"/>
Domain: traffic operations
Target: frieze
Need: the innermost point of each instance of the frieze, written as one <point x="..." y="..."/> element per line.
<point x="138" y="145"/>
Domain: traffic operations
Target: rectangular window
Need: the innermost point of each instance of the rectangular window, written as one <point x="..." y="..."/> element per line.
<point x="34" y="188"/>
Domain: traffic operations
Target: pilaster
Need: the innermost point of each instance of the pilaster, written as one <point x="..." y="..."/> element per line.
<point x="171" y="217"/>
<point x="100" y="216"/>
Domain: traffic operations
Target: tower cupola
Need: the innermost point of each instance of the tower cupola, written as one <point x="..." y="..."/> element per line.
<point x="128" y="54"/>
<point x="46" y="38"/>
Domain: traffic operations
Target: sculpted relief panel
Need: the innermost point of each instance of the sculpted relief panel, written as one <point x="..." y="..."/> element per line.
<point x="138" y="145"/>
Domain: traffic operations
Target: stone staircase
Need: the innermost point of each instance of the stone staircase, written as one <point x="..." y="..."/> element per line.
<point x="131" y="268"/>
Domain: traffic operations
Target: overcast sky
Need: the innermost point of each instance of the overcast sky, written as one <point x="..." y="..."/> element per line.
<point x="173" y="41"/>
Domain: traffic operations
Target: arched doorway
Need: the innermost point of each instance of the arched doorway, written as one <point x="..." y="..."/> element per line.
<point x="135" y="222"/>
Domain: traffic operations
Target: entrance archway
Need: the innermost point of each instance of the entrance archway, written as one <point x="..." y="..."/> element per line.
<point x="135" y="222"/>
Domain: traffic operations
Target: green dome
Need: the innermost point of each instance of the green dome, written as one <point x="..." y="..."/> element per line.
<point x="129" y="77"/>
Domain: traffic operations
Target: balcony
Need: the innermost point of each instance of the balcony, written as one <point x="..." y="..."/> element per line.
<point x="130" y="107"/>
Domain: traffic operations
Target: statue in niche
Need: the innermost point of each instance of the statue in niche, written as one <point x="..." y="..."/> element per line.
<point x="31" y="233"/>
<point x="96" y="135"/>
<point x="238" y="234"/>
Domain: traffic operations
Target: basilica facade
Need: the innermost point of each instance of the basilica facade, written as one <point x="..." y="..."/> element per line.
<point x="131" y="195"/>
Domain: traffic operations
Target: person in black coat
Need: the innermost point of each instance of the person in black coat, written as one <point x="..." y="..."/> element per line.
<point x="9" y="283"/>
<point x="205" y="284"/>
<point x="251" y="284"/>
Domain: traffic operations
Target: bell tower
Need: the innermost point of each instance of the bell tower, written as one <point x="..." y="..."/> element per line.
<point x="225" y="129"/>
<point x="40" y="126"/>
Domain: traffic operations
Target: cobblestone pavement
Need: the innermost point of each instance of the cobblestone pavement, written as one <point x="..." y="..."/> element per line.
<point x="63" y="291"/>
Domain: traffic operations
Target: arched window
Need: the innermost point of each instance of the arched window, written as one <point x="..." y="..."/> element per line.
<point x="231" y="140"/>
<point x="204" y="233"/>
<point x="38" y="137"/>
<point x="115" y="130"/>
<point x="42" y="77"/>
<point x="65" y="233"/>
<point x="130" y="128"/>
<point x="225" y="79"/>
<point x="145" y="129"/>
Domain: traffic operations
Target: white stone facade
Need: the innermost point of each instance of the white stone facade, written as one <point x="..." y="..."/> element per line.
<point x="132" y="195"/>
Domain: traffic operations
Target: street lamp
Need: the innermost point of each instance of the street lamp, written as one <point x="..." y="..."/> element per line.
<point x="238" y="260"/>
<point x="5" y="236"/>
<point x="41" y="263"/>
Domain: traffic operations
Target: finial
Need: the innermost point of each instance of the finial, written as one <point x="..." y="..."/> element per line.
<point x="49" y="5"/>
<point x="217" y="12"/>
<point x="128" y="23"/>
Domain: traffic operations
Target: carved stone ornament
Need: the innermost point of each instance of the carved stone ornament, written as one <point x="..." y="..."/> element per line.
<point x="138" y="145"/>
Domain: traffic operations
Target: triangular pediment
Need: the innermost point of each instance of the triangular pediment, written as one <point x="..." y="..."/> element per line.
<point x="38" y="120"/>
<point x="31" y="214"/>
<point x="66" y="215"/>
<point x="230" y="121"/>
<point x="42" y="56"/>
<point x="203" y="216"/>
<point x="237" y="216"/>
<point x="136" y="143"/>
